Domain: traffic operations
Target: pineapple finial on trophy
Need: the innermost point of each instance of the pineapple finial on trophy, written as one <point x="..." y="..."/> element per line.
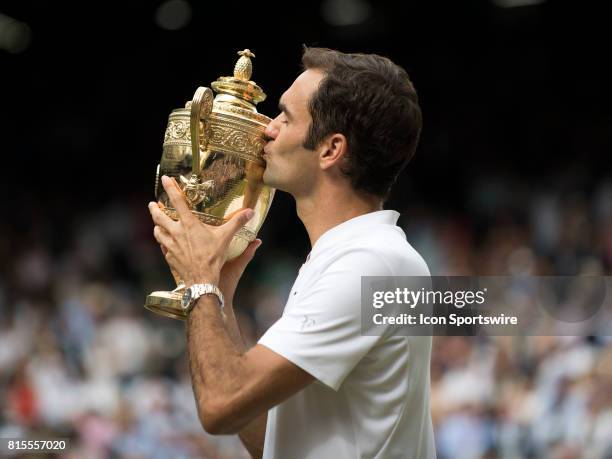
<point x="239" y="89"/>
<point x="244" y="67"/>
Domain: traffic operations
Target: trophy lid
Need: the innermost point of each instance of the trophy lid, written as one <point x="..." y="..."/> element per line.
<point x="240" y="85"/>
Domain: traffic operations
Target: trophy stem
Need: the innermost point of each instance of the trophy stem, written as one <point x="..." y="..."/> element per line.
<point x="168" y="303"/>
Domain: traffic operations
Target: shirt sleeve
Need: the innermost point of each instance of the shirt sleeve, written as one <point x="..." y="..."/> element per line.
<point x="321" y="331"/>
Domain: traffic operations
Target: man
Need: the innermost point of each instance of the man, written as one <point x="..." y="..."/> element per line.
<point x="314" y="387"/>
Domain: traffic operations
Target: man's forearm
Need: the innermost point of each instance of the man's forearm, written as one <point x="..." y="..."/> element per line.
<point x="214" y="359"/>
<point x="233" y="329"/>
<point x="218" y="370"/>
<point x="254" y="434"/>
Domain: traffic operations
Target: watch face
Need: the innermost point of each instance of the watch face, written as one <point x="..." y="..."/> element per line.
<point x="186" y="298"/>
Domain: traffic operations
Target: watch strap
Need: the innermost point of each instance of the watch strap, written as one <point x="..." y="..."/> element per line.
<point x="205" y="289"/>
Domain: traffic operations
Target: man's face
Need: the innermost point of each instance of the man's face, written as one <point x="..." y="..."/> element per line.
<point x="289" y="166"/>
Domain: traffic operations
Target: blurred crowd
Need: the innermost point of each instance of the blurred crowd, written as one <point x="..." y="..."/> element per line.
<point x="80" y="358"/>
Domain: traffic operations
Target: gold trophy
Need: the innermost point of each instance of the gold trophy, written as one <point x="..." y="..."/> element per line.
<point x="213" y="148"/>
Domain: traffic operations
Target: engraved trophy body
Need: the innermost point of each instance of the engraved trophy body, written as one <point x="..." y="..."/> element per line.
<point x="214" y="147"/>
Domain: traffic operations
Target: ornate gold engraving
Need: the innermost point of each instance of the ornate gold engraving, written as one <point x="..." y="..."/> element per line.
<point x="227" y="138"/>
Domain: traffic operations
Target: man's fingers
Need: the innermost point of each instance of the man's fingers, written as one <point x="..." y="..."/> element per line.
<point x="249" y="252"/>
<point x="162" y="237"/>
<point x="160" y="218"/>
<point x="237" y="221"/>
<point x="239" y="264"/>
<point x="177" y="197"/>
<point x="251" y="248"/>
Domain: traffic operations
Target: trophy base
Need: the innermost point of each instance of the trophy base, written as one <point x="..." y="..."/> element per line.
<point x="167" y="304"/>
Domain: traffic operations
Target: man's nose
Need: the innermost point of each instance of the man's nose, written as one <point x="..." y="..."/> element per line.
<point x="271" y="131"/>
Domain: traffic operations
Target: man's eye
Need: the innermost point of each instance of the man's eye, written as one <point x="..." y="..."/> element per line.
<point x="285" y="122"/>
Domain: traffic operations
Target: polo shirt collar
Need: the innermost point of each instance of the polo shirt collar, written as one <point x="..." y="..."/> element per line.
<point x="354" y="225"/>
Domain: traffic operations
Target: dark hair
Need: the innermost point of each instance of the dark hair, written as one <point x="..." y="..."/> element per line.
<point x="372" y="102"/>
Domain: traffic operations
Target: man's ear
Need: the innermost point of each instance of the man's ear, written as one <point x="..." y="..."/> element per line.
<point x="332" y="150"/>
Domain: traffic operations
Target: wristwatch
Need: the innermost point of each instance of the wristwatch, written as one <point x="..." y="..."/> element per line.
<point x="191" y="295"/>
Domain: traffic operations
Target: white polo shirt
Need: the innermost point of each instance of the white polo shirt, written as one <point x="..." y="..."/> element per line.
<point x="371" y="397"/>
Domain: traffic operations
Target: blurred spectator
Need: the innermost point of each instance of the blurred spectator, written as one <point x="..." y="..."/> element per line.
<point x="81" y="358"/>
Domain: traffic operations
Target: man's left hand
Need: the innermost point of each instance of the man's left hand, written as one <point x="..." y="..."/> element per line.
<point x="194" y="250"/>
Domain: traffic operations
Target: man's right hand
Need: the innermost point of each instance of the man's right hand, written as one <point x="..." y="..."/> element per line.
<point x="232" y="271"/>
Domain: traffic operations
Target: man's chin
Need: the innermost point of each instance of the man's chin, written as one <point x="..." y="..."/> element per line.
<point x="270" y="181"/>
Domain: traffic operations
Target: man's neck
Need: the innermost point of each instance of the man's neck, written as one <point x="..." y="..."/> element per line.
<point x="322" y="211"/>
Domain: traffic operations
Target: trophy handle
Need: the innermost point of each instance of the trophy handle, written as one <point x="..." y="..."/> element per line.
<point x="201" y="107"/>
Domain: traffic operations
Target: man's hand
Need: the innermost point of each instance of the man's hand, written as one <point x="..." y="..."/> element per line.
<point x="194" y="250"/>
